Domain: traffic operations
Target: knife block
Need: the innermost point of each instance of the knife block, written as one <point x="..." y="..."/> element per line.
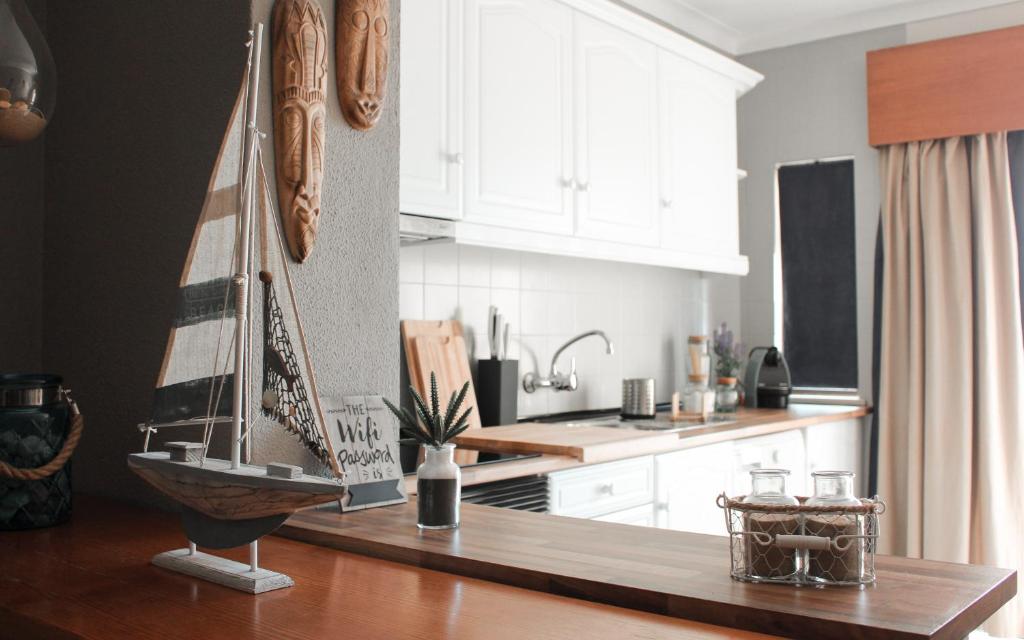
<point x="496" y="391"/>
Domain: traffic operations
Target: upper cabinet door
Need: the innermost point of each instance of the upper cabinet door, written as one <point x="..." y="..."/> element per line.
<point x="698" y="158"/>
<point x="518" y="114"/>
<point x="616" y="134"/>
<point x="431" y="108"/>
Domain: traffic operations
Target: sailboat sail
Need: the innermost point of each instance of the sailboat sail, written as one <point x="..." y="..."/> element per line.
<point x="197" y="359"/>
<point x="287" y="386"/>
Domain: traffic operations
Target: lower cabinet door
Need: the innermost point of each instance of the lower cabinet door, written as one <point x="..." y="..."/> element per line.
<point x="598" y="489"/>
<point x="687" y="484"/>
<point x="642" y="516"/>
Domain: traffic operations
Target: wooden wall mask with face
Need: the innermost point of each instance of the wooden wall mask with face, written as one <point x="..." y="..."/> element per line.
<point x="362" y="32"/>
<point x="300" y="87"/>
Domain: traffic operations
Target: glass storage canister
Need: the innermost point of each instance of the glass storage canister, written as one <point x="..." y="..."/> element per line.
<point x="727" y="396"/>
<point x="698" y="399"/>
<point x="438" y="488"/>
<point x="39" y="428"/>
<point x="769" y="560"/>
<point x="845" y="562"/>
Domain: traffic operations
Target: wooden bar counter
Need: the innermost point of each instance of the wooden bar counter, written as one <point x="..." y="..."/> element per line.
<point x="673" y="573"/>
<point x="91" y="578"/>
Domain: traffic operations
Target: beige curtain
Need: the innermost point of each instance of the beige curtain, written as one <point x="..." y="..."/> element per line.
<point x="950" y="404"/>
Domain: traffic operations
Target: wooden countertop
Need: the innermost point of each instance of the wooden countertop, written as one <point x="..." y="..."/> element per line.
<point x="668" y="572"/>
<point x="563" y="447"/>
<point x="91" y="578"/>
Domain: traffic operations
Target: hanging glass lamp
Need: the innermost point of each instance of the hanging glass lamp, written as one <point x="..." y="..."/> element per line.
<point x="28" y="79"/>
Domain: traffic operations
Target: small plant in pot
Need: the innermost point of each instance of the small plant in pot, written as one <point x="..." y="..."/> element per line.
<point x="728" y="361"/>
<point x="438" y="478"/>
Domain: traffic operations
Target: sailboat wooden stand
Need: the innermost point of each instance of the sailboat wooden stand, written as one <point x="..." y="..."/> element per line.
<point x="209" y="376"/>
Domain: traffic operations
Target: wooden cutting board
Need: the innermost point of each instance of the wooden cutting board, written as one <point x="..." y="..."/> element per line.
<point x="586" y="444"/>
<point x="439" y="347"/>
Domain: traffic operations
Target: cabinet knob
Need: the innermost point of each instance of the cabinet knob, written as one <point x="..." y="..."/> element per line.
<point x="583" y="187"/>
<point x="661" y="506"/>
<point x="455" y="158"/>
<point x="568" y="183"/>
<point x="666" y="203"/>
<point x="607" y="489"/>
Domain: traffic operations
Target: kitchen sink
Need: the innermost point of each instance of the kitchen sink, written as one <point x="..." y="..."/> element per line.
<point x="664" y="425"/>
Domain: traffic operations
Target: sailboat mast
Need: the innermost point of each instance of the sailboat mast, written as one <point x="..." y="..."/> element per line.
<point x="241" y="278"/>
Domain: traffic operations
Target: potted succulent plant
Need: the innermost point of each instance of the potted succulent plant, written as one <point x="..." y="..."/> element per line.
<point x="438" y="478"/>
<point x="728" y="360"/>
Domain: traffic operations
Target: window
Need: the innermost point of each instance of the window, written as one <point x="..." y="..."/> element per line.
<point x="816" y="274"/>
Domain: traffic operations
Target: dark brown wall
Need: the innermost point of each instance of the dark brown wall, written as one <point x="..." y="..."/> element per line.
<point x="21" y="247"/>
<point x="145" y="91"/>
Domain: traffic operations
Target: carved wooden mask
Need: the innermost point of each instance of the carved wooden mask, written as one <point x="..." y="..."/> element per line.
<point x="300" y="87"/>
<point x="362" y="35"/>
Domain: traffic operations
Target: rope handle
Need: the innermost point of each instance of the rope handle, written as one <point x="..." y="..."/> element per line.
<point x="51" y="467"/>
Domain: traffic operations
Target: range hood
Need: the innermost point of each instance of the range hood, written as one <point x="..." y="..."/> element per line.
<point x="413" y="229"/>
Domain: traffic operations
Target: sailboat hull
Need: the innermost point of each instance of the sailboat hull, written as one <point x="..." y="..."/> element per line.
<point x="218" y="491"/>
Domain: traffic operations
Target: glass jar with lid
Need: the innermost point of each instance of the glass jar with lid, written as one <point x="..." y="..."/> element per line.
<point x="698" y="398"/>
<point x="765" y="559"/>
<point x="844" y="560"/>
<point x="727" y="396"/>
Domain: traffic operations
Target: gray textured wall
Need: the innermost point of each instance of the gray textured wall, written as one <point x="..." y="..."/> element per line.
<point x="348" y="287"/>
<point x="21" y="247"/>
<point x="811" y="104"/>
<point x="146" y="90"/>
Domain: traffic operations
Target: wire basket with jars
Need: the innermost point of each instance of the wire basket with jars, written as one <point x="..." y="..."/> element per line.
<point x="827" y="539"/>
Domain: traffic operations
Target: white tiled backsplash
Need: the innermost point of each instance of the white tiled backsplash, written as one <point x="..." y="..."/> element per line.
<point x="647" y="312"/>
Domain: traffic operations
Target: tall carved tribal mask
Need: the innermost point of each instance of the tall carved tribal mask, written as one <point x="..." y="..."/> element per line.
<point x="300" y="87"/>
<point x="362" y="32"/>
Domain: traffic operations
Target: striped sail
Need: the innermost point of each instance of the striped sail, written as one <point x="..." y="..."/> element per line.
<point x="198" y="355"/>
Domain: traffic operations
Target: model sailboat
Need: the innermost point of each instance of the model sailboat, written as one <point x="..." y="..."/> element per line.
<point x="236" y="355"/>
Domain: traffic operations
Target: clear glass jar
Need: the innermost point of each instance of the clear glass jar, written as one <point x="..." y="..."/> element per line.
<point x="697" y="397"/>
<point x="764" y="558"/>
<point x="438" y="488"/>
<point x="768" y="486"/>
<point x="727" y="396"/>
<point x="700" y="357"/>
<point x="844" y="561"/>
<point x="28" y="80"/>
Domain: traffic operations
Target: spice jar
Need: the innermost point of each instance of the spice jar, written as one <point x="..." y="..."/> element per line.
<point x="844" y="560"/>
<point x="765" y="559"/>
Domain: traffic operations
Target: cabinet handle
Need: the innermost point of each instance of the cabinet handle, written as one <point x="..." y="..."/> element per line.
<point x="583" y="187"/>
<point x="455" y="158"/>
<point x="568" y="183"/>
<point x="661" y="506"/>
<point x="608" y="489"/>
<point x="666" y="203"/>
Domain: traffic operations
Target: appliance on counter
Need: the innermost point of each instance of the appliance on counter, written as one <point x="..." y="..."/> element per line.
<point x="767" y="380"/>
<point x="638" y="398"/>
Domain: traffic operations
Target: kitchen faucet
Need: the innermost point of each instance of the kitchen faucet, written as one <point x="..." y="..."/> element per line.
<point x="563" y="381"/>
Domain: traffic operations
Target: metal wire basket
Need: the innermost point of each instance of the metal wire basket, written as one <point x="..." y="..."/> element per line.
<point x="799" y="544"/>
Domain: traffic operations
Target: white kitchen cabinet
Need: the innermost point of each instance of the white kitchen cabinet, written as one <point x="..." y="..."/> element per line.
<point x="616" y="80"/>
<point x="573" y="127"/>
<point x="688" y="482"/>
<point x="783" y="450"/>
<point x="836" y="446"/>
<point x="600" y="489"/>
<point x="642" y="516"/>
<point x="698" y="193"/>
<point x="519" y="114"/>
<point x="431" y="152"/>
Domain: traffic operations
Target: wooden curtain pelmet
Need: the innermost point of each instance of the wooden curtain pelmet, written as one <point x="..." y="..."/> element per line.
<point x="952" y="87"/>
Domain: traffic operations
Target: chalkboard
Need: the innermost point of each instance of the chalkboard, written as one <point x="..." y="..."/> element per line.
<point x="819" y="277"/>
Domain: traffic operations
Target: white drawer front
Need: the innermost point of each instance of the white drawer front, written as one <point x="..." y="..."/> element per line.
<point x="642" y="516"/>
<point x="602" y="488"/>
